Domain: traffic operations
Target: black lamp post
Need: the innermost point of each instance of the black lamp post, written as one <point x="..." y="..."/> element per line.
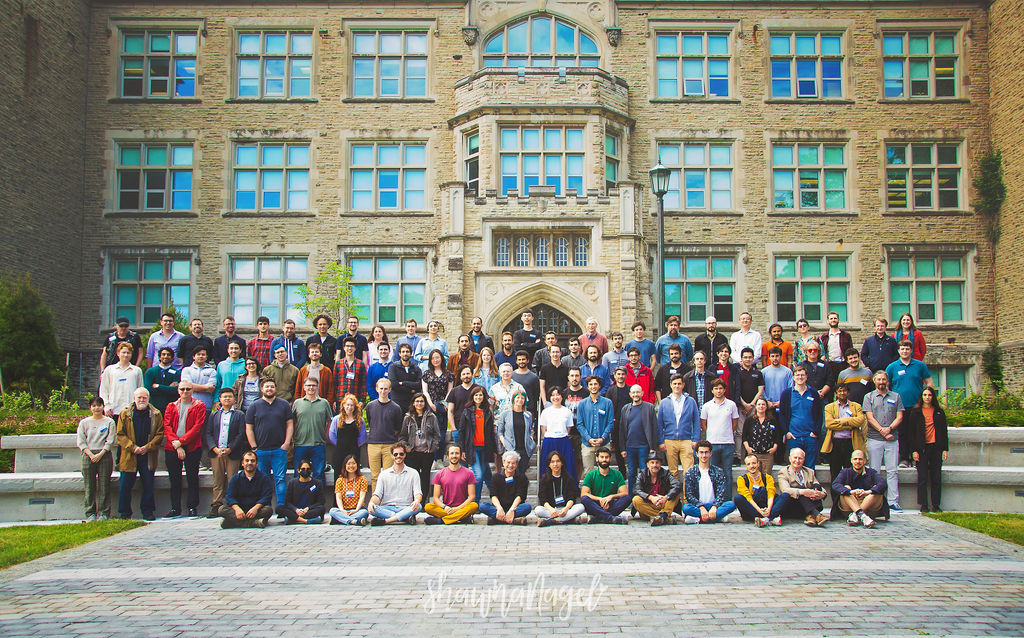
<point x="659" y="186"/>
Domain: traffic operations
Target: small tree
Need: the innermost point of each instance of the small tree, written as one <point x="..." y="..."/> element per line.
<point x="991" y="191"/>
<point x="332" y="295"/>
<point x="31" y="358"/>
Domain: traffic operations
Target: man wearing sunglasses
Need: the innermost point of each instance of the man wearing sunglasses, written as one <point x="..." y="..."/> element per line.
<point x="183" y="429"/>
<point x="397" y="495"/>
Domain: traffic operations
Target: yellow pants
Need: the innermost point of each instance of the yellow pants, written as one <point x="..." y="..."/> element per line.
<point x="379" y="456"/>
<point x="646" y="510"/>
<point x="678" y="452"/>
<point x="466" y="510"/>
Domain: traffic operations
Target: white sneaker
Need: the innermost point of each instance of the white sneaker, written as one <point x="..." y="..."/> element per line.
<point x="691" y="520"/>
<point x="853" y="521"/>
<point x="776" y="522"/>
<point x="867" y="520"/>
<point x="733" y="517"/>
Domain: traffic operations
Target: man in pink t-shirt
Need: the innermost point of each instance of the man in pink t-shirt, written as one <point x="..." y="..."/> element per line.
<point x="454" y="497"/>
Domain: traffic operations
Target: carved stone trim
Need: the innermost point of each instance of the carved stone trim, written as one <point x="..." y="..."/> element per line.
<point x="469" y="35"/>
<point x="614" y="35"/>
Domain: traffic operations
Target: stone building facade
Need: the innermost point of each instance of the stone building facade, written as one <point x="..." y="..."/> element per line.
<point x="472" y="158"/>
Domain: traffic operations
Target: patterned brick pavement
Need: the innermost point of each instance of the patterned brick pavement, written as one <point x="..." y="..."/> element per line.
<point x="913" y="576"/>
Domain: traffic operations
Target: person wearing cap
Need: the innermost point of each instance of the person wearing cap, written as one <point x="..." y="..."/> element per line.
<point x="121" y="334"/>
<point x="282" y="372"/>
<point x="656" y="492"/>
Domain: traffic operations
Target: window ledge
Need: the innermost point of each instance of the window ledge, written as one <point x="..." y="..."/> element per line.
<point x="268" y="214"/>
<point x="695" y="99"/>
<point x="938" y="100"/>
<point x="787" y="212"/>
<point x="271" y="100"/>
<point x="391" y="213"/>
<point x="162" y="214"/>
<point x="927" y="213"/>
<point x="388" y="100"/>
<point x="808" y="100"/>
<point x="154" y="100"/>
<point x="949" y="326"/>
<point x="701" y="213"/>
<point x="533" y="270"/>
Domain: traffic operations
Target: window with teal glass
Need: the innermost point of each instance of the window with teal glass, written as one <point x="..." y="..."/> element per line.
<point x="271" y="176"/>
<point x="267" y="286"/>
<point x="389" y="64"/>
<point x="698" y="286"/>
<point x="541" y="41"/>
<point x="274" y="65"/>
<point x="158" y="64"/>
<point x="549" y="156"/>
<point x="922" y="176"/>
<point x="806" y="65"/>
<point x="931" y="288"/>
<point x="919" y="65"/>
<point x="700" y="175"/>
<point x="692" y="65"/>
<point x="809" y="176"/>
<point x="389" y="290"/>
<point x="809" y="287"/>
<point x="389" y="176"/>
<point x="154" y="176"/>
<point x="143" y="287"/>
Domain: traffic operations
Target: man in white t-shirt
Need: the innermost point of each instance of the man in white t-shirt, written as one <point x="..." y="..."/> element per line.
<point x="719" y="419"/>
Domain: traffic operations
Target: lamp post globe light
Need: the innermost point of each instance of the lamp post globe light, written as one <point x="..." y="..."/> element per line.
<point x="659" y="186"/>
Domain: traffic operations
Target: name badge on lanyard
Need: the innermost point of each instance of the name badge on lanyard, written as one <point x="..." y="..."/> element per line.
<point x="559" y="500"/>
<point x="350" y="494"/>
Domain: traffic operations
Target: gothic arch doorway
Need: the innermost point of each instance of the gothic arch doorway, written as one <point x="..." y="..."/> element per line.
<point x="547" y="318"/>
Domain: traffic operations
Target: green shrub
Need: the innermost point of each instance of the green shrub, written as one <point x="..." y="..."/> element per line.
<point x="31" y="358"/>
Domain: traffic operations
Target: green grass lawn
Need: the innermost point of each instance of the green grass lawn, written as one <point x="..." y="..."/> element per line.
<point x="28" y="542"/>
<point x="1008" y="527"/>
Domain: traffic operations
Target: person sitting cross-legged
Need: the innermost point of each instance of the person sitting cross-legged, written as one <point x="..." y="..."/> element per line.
<point x="657" y="491"/>
<point x="756" y="498"/>
<point x="397" y="494"/>
<point x="604" y="493"/>
<point x="247" y="502"/>
<point x="861" y="491"/>
<point x="454" y="488"/>
<point x="350" y="494"/>
<point x="558" y="493"/>
<point x="508" y="494"/>
<point x="806" y="495"/>
<point x="707" y="497"/>
<point x="304" y="498"/>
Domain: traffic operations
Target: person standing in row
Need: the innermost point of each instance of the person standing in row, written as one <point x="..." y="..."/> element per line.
<point x="269" y="428"/>
<point x="224" y="437"/>
<point x="420" y="431"/>
<point x="95" y="438"/>
<point x="183" y="446"/>
<point x="140" y="435"/>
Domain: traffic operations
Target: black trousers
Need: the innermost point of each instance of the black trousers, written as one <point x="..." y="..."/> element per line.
<point x="801" y="507"/>
<point x="191" y="465"/>
<point x="422" y="462"/>
<point x="929" y="470"/>
<point x="288" y="511"/>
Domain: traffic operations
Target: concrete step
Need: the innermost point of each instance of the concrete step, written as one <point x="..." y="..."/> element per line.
<point x="58" y="495"/>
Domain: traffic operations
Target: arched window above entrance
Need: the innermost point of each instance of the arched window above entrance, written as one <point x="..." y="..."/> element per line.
<point x="546" y="318"/>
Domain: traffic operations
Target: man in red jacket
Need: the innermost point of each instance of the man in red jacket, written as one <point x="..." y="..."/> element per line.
<point x="637" y="373"/>
<point x="183" y="428"/>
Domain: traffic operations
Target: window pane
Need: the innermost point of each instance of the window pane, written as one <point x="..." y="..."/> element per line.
<point x="179" y="270"/>
<point x="836" y="268"/>
<point x="413" y="269"/>
<point x="362" y="269"/>
<point x="925" y="267"/>
<point x="785" y="267"/>
<point x="270" y="269"/>
<point x="243" y="269"/>
<point x="721" y="268"/>
<point x="810" y="268"/>
<point x="387" y="269"/>
<point x="673" y="268"/>
<point x="295" y="269"/>
<point x="696" y="268"/>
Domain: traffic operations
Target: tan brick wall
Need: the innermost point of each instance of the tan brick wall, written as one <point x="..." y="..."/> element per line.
<point x="43" y="46"/>
<point x="1007" y="104"/>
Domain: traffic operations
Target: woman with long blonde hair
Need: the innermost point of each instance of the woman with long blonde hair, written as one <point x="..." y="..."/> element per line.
<point x="345" y="426"/>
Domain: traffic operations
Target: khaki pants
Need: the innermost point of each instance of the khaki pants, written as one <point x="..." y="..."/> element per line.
<point x="379" y="457"/>
<point x="97" y="483"/>
<point x="766" y="461"/>
<point x="460" y="513"/>
<point x="678" y="452"/>
<point x="224" y="467"/>
<point x="589" y="456"/>
<point x="646" y="510"/>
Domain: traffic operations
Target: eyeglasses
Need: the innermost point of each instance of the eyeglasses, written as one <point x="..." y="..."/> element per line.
<point x="184" y="389"/>
<point x="398" y="454"/>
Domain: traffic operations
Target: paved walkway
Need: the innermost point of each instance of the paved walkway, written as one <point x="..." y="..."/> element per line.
<point x="913" y="576"/>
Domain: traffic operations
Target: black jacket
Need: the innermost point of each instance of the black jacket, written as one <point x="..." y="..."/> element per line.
<point x="467" y="431"/>
<point x="546" y="492"/>
<point x="237" y="440"/>
<point x="506" y="492"/>
<point x="705" y="345"/>
<point x="405" y="383"/>
<point x="668" y="482"/>
<point x="915" y="421"/>
<point x="484" y="342"/>
<point x="690" y="386"/>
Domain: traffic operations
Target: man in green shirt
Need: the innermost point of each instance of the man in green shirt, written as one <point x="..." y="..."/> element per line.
<point x="604" y="493"/>
<point x="312" y="415"/>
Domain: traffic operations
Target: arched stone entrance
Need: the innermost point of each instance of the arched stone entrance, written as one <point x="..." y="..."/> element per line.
<point x="548" y="318"/>
<point x="567" y="299"/>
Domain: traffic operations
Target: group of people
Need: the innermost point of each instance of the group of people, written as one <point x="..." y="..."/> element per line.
<point x="271" y="402"/>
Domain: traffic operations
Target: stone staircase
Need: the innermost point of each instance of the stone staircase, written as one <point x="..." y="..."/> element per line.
<point x="985" y="472"/>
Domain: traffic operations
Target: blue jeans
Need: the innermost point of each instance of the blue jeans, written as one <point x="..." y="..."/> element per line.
<point x="388" y="511"/>
<point x="124" y="499"/>
<point x="808" y="444"/>
<point x="274" y="463"/>
<point x="492" y="512"/>
<point x="315" y="454"/>
<point x="721" y="456"/>
<point x="482" y="471"/>
<point x="724" y="509"/>
<point x="345" y="519"/>
<point x="599" y="514"/>
<point x="636" y="458"/>
<point x="760" y="495"/>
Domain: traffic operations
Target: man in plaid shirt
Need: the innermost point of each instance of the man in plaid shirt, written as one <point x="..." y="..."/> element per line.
<point x="259" y="346"/>
<point x="350" y="373"/>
